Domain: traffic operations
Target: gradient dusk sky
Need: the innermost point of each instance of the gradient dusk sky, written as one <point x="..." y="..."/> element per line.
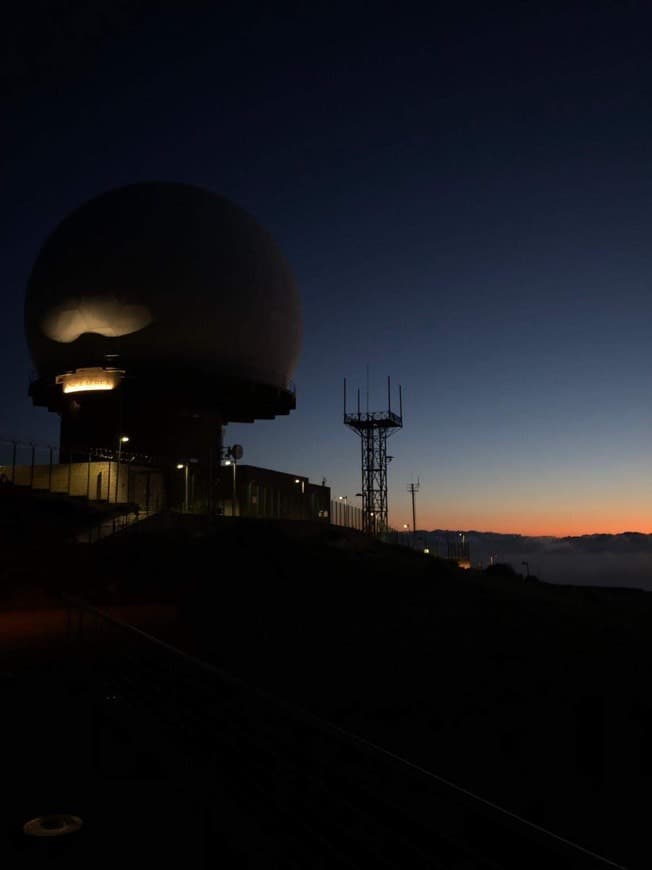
<point x="464" y="192"/>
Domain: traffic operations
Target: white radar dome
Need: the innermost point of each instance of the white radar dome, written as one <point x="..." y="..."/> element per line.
<point x="164" y="276"/>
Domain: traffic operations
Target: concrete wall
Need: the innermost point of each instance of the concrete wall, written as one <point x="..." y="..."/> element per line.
<point x="96" y="481"/>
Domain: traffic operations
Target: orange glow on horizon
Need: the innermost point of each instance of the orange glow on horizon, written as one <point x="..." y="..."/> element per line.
<point x="535" y="525"/>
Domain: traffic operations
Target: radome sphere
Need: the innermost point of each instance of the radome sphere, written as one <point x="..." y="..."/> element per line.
<point x="164" y="276"/>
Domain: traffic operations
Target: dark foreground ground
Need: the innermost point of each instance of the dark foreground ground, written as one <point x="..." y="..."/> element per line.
<point x="534" y="697"/>
<point x="61" y="756"/>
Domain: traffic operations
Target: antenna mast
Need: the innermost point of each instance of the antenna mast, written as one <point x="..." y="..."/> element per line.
<point x="374" y="428"/>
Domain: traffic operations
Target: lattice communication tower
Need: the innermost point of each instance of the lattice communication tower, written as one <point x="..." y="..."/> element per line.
<point x="374" y="428"/>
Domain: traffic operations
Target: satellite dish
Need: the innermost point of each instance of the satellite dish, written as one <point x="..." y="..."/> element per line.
<point x="237" y="451"/>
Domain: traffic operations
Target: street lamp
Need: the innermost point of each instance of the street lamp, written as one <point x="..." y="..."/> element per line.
<point x="184" y="465"/>
<point x="374" y="523"/>
<point x="345" y="499"/>
<point x="302" y="505"/>
<point x="122" y="440"/>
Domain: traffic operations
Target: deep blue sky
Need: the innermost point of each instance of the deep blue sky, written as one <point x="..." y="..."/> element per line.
<point x="463" y="193"/>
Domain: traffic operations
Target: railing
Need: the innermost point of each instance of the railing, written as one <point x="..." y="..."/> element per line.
<point x="111" y="526"/>
<point x="20" y="459"/>
<point x="366" y="419"/>
<point x="321" y="790"/>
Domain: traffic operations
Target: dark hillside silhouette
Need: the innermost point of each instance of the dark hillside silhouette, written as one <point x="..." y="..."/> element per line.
<point x="533" y="696"/>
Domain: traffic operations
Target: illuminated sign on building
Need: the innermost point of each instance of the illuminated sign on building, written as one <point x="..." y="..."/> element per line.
<point x="90" y="380"/>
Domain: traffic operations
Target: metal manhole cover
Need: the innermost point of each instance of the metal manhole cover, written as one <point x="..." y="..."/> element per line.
<point x="52" y="826"/>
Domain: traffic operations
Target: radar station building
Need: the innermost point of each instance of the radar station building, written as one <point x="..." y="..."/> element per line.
<point x="260" y="492"/>
<point x="156" y="314"/>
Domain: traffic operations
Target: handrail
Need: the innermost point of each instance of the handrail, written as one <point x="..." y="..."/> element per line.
<point x="378" y="754"/>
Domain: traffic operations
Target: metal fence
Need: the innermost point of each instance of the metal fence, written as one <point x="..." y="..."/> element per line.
<point x="345" y="514"/>
<point x="105" y="475"/>
<point x="98" y="475"/>
<point x="27" y="463"/>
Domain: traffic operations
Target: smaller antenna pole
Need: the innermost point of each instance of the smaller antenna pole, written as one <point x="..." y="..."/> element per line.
<point x="414" y="513"/>
<point x="414" y="519"/>
<point x="413" y="489"/>
<point x="389" y="396"/>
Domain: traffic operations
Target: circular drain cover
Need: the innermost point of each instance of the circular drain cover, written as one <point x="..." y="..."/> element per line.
<point x="52" y="826"/>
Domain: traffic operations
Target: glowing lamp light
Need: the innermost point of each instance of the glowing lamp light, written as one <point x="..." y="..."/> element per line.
<point x="124" y="439"/>
<point x="179" y="467"/>
<point x="87" y="388"/>
<point x="89" y="380"/>
<point x="426" y="551"/>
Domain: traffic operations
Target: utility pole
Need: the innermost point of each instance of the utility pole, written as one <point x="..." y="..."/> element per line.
<point x="413" y="489"/>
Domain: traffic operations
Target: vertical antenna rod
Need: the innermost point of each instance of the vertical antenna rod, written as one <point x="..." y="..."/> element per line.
<point x="367" y="388"/>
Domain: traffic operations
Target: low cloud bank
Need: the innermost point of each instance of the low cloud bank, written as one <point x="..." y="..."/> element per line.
<point x="598" y="560"/>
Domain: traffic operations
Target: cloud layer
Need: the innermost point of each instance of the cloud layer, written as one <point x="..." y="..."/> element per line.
<point x="600" y="560"/>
